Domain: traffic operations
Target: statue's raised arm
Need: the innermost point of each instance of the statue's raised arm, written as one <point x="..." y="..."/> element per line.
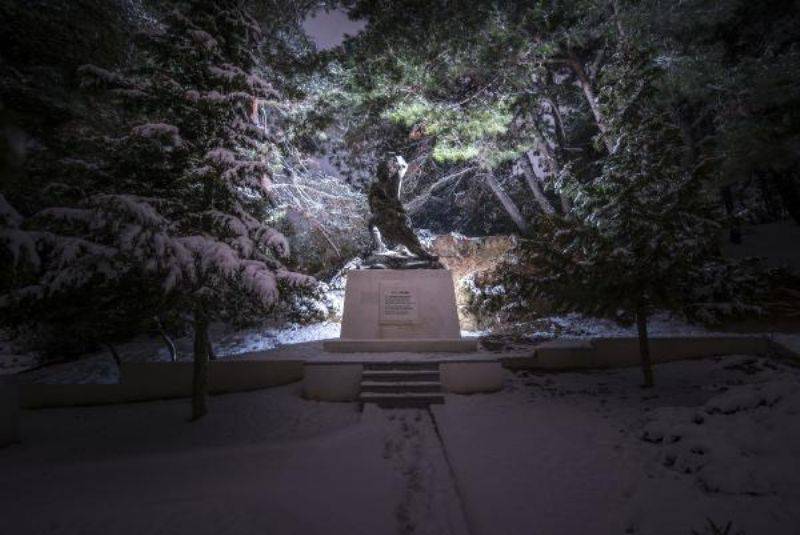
<point x="394" y="244"/>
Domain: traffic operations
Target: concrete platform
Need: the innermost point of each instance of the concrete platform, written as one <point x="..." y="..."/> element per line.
<point x="400" y="383"/>
<point x="461" y="345"/>
<point x="332" y="375"/>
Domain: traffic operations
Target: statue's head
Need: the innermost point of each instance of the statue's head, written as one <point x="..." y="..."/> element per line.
<point x="395" y="165"/>
<point x="400" y="165"/>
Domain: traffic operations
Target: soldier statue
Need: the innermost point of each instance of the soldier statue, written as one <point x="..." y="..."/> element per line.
<point x="389" y="223"/>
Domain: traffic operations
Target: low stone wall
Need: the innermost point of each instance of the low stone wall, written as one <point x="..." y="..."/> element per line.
<point x="332" y="381"/>
<point x="616" y="352"/>
<point x="9" y="410"/>
<point x="340" y="381"/>
<point x="625" y="351"/>
<point x="783" y="350"/>
<point x="471" y="377"/>
<point x="143" y="381"/>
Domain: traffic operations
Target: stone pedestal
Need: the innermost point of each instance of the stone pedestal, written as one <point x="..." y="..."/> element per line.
<point x="388" y="310"/>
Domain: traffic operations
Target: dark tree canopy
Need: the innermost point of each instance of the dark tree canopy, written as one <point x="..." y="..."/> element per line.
<point x="181" y="149"/>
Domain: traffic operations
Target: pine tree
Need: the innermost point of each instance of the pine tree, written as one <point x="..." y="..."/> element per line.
<point x="501" y="106"/>
<point x="179" y="193"/>
<point x="641" y="228"/>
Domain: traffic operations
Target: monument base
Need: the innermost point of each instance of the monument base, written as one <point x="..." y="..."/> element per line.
<point x="400" y="310"/>
<point x="462" y="345"/>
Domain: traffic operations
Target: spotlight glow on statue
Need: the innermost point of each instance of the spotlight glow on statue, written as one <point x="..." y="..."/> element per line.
<point x="390" y="225"/>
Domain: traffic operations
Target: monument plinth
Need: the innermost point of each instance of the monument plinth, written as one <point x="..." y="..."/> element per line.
<point x="400" y="310"/>
<point x="406" y="301"/>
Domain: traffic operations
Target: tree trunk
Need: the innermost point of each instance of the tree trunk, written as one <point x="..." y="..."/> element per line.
<point x="200" y="379"/>
<point x="114" y="355"/>
<point x="618" y="20"/>
<point x="533" y="184"/>
<point x="766" y="184"/>
<point x="644" y="346"/>
<point x="507" y="202"/>
<point x="685" y="129"/>
<point x="558" y="122"/>
<point x="173" y="351"/>
<point x="735" y="231"/>
<point x="561" y="145"/>
<point x="566" y="205"/>
<point x="789" y="191"/>
<point x="588" y="91"/>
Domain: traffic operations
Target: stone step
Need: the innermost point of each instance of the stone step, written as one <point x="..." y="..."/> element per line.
<point x="401" y="386"/>
<point x="400" y="375"/>
<point x="404" y="399"/>
<point x="401" y="365"/>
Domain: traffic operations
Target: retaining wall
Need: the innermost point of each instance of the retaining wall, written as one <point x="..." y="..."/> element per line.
<point x="9" y="410"/>
<point x="471" y="377"/>
<point x="332" y="381"/>
<point x="617" y="352"/>
<point x="142" y="381"/>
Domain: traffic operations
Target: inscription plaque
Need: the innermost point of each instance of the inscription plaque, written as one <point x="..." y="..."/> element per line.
<point x="398" y="304"/>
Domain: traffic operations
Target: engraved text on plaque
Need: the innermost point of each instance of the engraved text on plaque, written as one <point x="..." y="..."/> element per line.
<point x="398" y="304"/>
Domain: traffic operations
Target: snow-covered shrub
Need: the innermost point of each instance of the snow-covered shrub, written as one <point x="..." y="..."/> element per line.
<point x="722" y="289"/>
<point x="505" y="295"/>
<point x="324" y="218"/>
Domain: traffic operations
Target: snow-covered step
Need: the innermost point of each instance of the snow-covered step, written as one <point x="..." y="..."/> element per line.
<point x="401" y="386"/>
<point x="402" y="365"/>
<point x="402" y="399"/>
<point x="400" y="375"/>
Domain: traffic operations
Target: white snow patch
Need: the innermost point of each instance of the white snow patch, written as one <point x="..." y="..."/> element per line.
<point x="259" y="462"/>
<point x="578" y="325"/>
<point x="12" y="358"/>
<point x="98" y="368"/>
<point x="594" y="453"/>
<point x="158" y="131"/>
<point x="561" y="453"/>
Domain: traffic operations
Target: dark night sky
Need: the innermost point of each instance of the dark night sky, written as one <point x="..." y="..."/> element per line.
<point x="328" y="28"/>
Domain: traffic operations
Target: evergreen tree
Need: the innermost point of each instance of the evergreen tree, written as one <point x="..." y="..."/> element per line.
<point x="503" y="105"/>
<point x="179" y="194"/>
<point x="731" y="90"/>
<point x="641" y="228"/>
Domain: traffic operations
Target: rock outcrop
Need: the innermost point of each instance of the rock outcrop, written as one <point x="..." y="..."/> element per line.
<point x="466" y="257"/>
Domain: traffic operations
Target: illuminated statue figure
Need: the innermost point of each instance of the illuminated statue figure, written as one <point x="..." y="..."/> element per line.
<point x="389" y="223"/>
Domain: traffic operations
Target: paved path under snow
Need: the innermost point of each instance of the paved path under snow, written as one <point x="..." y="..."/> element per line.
<point x="261" y="462"/>
<point x="550" y="454"/>
<point x="430" y="503"/>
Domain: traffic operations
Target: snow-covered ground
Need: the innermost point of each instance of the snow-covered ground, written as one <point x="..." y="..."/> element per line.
<point x="791" y="341"/>
<point x="776" y="243"/>
<point x="100" y="368"/>
<point x="550" y="454"/>
<point x="14" y="359"/>
<point x="578" y="325"/>
<point x="593" y="453"/>
<point x="260" y="462"/>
